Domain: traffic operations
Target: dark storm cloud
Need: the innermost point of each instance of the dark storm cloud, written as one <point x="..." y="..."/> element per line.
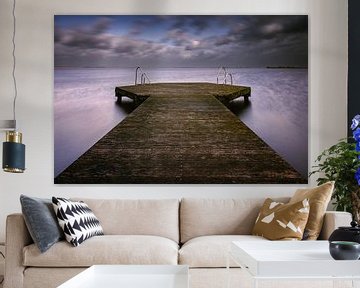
<point x="140" y="26"/>
<point x="197" y="23"/>
<point x="177" y="37"/>
<point x="92" y="37"/>
<point x="86" y="41"/>
<point x="266" y="40"/>
<point x="101" y="25"/>
<point x="179" y="24"/>
<point x="269" y="27"/>
<point x="144" y="49"/>
<point x="296" y="24"/>
<point x="254" y="29"/>
<point x="179" y="41"/>
<point x="225" y="40"/>
<point x="58" y="34"/>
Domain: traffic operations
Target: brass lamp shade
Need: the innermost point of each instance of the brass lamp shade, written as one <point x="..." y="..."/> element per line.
<point x="13" y="153"/>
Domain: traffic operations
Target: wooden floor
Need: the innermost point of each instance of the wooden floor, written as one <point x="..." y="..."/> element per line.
<point x="181" y="133"/>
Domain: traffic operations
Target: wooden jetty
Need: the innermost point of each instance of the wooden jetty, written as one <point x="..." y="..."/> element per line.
<point x="181" y="133"/>
<point x="224" y="93"/>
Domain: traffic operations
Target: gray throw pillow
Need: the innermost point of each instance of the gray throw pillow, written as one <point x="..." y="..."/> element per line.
<point x="41" y="221"/>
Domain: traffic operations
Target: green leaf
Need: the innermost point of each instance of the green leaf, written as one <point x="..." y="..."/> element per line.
<point x="338" y="163"/>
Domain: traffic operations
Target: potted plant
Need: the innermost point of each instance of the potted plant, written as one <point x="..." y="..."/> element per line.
<point x="341" y="163"/>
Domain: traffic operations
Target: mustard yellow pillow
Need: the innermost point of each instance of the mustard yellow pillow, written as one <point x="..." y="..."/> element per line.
<point x="279" y="221"/>
<point x="319" y="198"/>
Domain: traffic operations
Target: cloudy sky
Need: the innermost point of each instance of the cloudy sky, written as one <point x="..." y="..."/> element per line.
<point x="181" y="41"/>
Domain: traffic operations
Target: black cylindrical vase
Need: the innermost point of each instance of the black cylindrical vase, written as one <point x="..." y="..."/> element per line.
<point x="13" y="153"/>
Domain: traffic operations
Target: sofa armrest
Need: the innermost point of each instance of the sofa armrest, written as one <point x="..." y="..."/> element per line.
<point x="333" y="220"/>
<point x="17" y="237"/>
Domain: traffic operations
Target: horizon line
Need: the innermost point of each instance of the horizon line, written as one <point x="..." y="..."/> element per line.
<point x="182" y="67"/>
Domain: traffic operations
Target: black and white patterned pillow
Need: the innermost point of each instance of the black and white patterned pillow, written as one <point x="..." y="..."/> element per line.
<point x="77" y="220"/>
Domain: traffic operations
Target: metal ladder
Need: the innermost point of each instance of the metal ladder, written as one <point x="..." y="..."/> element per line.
<point x="225" y="75"/>
<point x="143" y="77"/>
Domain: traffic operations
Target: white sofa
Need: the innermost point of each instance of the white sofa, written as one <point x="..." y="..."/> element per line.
<point x="194" y="232"/>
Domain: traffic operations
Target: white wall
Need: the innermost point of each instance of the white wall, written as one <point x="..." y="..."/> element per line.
<point x="328" y="93"/>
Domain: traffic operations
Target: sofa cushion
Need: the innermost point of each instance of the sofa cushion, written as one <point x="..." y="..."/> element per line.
<point x="76" y="220"/>
<point x="107" y="249"/>
<point x="41" y="221"/>
<point x="279" y="221"/>
<point x="319" y="198"/>
<point x="211" y="251"/>
<point x="200" y="217"/>
<point x="158" y="217"/>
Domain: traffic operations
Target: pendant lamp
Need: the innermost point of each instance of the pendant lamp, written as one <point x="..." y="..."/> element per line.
<point x="13" y="149"/>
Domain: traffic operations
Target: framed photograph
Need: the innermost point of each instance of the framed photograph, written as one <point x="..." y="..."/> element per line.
<point x="181" y="99"/>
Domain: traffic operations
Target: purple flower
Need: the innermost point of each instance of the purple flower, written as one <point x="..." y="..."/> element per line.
<point x="355" y="126"/>
<point x="355" y="122"/>
<point x="356" y="134"/>
<point x="357" y="176"/>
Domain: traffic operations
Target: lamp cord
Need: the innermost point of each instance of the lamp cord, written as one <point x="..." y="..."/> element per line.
<point x="14" y="61"/>
<point x="2" y="280"/>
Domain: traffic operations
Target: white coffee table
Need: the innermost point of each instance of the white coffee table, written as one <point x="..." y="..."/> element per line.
<point x="292" y="260"/>
<point x="131" y="276"/>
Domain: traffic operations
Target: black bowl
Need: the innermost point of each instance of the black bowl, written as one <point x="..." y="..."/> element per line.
<point x="344" y="250"/>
